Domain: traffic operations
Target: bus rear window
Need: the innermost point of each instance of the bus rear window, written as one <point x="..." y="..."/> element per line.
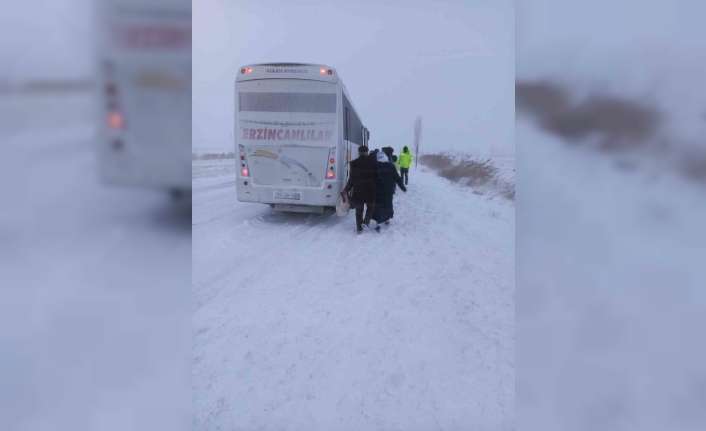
<point x="287" y="102"/>
<point x="154" y="37"/>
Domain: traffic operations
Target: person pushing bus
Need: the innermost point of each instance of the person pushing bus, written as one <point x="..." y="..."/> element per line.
<point x="362" y="184"/>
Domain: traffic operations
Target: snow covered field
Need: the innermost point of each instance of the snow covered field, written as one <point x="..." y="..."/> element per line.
<point x="302" y="325"/>
<point x="610" y="298"/>
<point x="94" y="282"/>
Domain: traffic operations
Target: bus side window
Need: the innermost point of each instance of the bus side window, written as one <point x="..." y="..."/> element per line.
<point x="346" y="135"/>
<point x="348" y="161"/>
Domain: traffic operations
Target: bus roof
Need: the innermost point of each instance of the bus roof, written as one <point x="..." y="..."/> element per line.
<point x="318" y="72"/>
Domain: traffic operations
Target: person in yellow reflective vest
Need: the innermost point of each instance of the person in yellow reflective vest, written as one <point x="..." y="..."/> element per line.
<point x="405" y="161"/>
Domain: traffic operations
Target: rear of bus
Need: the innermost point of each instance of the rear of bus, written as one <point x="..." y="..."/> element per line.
<point x="287" y="136"/>
<point x="145" y="93"/>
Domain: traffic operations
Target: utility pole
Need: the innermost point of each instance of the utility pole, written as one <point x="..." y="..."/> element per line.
<point x="417" y="139"/>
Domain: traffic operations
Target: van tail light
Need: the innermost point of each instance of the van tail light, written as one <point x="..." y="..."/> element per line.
<point x="331" y="164"/>
<point x="244" y="170"/>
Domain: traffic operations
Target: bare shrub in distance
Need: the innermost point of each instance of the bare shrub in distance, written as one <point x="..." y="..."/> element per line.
<point x="474" y="173"/>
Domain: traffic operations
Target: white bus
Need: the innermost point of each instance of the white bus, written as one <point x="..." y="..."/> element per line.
<point x="295" y="133"/>
<point x="145" y="93"/>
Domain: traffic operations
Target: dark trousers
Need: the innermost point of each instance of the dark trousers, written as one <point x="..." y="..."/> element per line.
<point x="404" y="173"/>
<point x="359" y="219"/>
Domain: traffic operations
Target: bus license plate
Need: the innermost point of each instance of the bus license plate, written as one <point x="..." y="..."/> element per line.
<point x="291" y="196"/>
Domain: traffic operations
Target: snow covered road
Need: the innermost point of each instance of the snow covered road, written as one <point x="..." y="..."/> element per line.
<point x="302" y="325"/>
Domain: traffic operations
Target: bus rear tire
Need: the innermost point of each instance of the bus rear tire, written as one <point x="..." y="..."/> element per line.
<point x="177" y="195"/>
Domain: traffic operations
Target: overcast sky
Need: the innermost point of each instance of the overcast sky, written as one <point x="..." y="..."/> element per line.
<point x="574" y="36"/>
<point x="650" y="50"/>
<point x="452" y="62"/>
<point x="46" y="39"/>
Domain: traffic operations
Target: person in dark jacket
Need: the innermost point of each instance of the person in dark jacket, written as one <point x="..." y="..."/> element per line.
<point x="396" y="162"/>
<point x="389" y="152"/>
<point x="386" y="181"/>
<point x="362" y="182"/>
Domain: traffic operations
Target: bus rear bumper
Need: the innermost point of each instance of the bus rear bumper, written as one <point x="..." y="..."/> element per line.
<point x="297" y="199"/>
<point x="139" y="173"/>
<point x="298" y="208"/>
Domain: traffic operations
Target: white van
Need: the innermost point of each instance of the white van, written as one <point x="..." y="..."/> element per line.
<point x="295" y="133"/>
<point x="145" y="93"/>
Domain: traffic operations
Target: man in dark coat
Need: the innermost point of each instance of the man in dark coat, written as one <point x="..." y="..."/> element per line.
<point x="362" y="181"/>
<point x="387" y="179"/>
<point x="389" y="152"/>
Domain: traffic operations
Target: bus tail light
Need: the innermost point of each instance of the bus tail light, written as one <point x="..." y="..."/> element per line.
<point x="116" y="120"/>
<point x="325" y="71"/>
<point x="331" y="165"/>
<point x="246" y="70"/>
<point x="244" y="170"/>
